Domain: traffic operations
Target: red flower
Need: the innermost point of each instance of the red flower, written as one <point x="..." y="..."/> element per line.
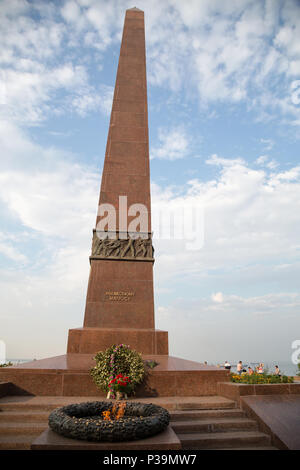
<point x="120" y="380"/>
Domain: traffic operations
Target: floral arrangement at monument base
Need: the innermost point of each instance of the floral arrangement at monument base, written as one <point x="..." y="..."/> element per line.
<point x="118" y="370"/>
<point x="121" y="386"/>
<point x="257" y="379"/>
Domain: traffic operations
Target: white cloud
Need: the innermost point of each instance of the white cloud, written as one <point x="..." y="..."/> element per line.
<point x="234" y="329"/>
<point x="282" y="304"/>
<point x="224" y="162"/>
<point x="43" y="188"/>
<point x="247" y="219"/>
<point x="272" y="165"/>
<point x="90" y="100"/>
<point x="85" y="103"/>
<point x="218" y="297"/>
<point x="71" y="12"/>
<point x="222" y="50"/>
<point x="35" y="205"/>
<point x="107" y="93"/>
<point x="226" y="48"/>
<point x="28" y="93"/>
<point x="173" y="144"/>
<point x="50" y="202"/>
<point x="42" y="72"/>
<point x="9" y="251"/>
<point x="267" y="143"/>
<point x="264" y="160"/>
<point x="290" y="175"/>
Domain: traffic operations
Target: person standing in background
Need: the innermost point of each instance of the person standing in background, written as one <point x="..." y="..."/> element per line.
<point x="260" y="368"/>
<point x="239" y="367"/>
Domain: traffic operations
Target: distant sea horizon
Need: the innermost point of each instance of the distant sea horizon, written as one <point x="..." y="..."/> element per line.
<point x="286" y="367"/>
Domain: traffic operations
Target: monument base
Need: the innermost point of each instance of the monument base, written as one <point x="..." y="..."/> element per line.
<point x="91" y="340"/>
<point x="69" y="375"/>
<point x="49" y="440"/>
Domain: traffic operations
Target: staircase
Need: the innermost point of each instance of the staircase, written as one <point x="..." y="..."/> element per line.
<point x="199" y="422"/>
<point x="218" y="429"/>
<point x="18" y="428"/>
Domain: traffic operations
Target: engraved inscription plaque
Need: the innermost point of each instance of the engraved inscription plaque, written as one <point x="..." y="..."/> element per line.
<point x="119" y="296"/>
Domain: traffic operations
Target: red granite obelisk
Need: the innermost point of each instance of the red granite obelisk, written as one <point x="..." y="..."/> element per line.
<point x="120" y="304"/>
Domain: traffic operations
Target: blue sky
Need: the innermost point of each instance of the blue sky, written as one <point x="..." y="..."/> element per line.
<point x="224" y="120"/>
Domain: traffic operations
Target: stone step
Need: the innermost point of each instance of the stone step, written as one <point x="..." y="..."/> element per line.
<point x="44" y="403"/>
<point x="11" y="406"/>
<point x="24" y="416"/>
<point x="220" y="440"/>
<point x="213" y="425"/>
<point x="16" y="442"/>
<point x="199" y="414"/>
<point x="207" y="403"/>
<point x="22" y="428"/>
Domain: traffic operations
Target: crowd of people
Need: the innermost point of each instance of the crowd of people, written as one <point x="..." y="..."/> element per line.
<point x="240" y="369"/>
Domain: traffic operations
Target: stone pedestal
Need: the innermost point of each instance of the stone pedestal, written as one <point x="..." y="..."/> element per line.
<point x="49" y="440"/>
<point x="69" y="375"/>
<point x="92" y="340"/>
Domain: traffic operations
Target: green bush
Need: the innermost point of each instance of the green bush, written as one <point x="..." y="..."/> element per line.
<point x="6" y="364"/>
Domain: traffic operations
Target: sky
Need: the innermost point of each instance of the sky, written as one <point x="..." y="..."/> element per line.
<point x="224" y="125"/>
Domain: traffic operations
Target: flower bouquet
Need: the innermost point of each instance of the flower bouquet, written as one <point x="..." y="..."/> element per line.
<point x="120" y="385"/>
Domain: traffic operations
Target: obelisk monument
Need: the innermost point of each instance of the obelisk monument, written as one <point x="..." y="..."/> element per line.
<point x="120" y="303"/>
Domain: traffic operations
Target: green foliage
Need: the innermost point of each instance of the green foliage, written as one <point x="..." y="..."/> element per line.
<point x="6" y="364"/>
<point x="117" y="360"/>
<point x="260" y="379"/>
<point x="151" y="364"/>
